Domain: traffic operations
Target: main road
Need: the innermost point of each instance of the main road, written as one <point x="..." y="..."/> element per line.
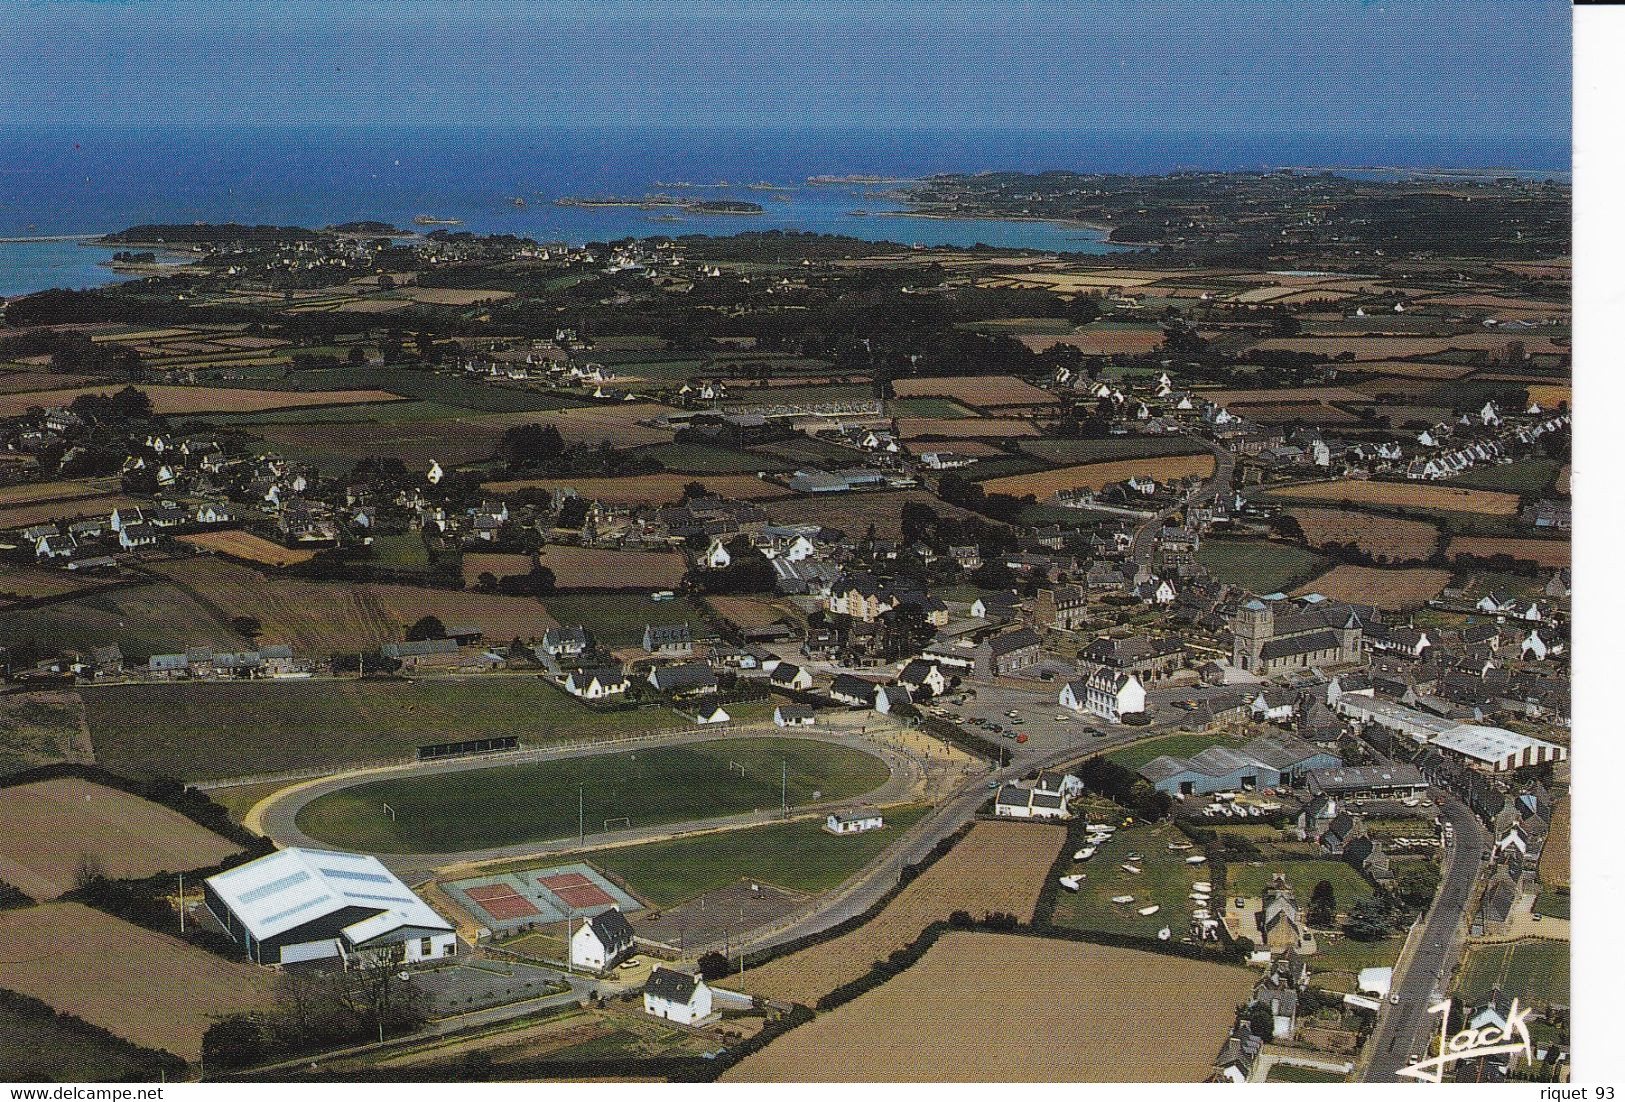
<point x="1405" y="1028"/>
<point x="1216" y="484"/>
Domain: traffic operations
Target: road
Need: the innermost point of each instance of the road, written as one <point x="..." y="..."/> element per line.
<point x="1224" y="465"/>
<point x="1406" y="1027"/>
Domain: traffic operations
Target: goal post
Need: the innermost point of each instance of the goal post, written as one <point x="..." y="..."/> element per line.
<point x="736" y="767"/>
<point x="625" y="822"/>
<point x="390" y="811"/>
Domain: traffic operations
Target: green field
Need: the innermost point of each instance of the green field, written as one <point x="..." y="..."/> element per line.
<point x="1177" y="746"/>
<point x="198" y="731"/>
<point x="1552" y="903"/>
<point x="1067" y="452"/>
<point x="1290" y="1073"/>
<point x="1259" y="565"/>
<point x="1164" y="879"/>
<point x="1529" y="477"/>
<point x="1250" y="880"/>
<point x="619" y="621"/>
<point x="146" y="619"/>
<point x="1535" y="971"/>
<point x="513" y="804"/>
<point x="800" y="856"/>
<point x="1344" y="957"/>
<point x="405" y="553"/>
<point x="451" y="390"/>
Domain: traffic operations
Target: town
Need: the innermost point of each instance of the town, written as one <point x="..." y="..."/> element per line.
<point x="460" y="656"/>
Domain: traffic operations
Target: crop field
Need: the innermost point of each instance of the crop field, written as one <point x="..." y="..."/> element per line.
<point x="618" y="620"/>
<point x="1319" y="394"/>
<point x="529" y="802"/>
<point x="42" y="728"/>
<point x="50" y="830"/>
<point x="747" y="612"/>
<point x="1533" y="970"/>
<point x="646" y="489"/>
<point x="335" y="448"/>
<point x="1404" y="348"/>
<point x="1043" y="484"/>
<point x="198" y="399"/>
<point x="593" y="424"/>
<point x="27" y="493"/>
<point x="1526" y="476"/>
<point x="27" y="583"/>
<point x="76" y="508"/>
<point x="142" y="619"/>
<point x="1562" y="483"/>
<point x="39" y="1048"/>
<point x="1554" y="855"/>
<point x="176" y="729"/>
<point x="982" y="1007"/>
<point x="1262" y="566"/>
<point x="1384" y="538"/>
<point x="941" y="408"/>
<point x="1121" y="341"/>
<point x="1164" y="880"/>
<point x="596" y="568"/>
<point x="324" y="618"/>
<point x="1542" y="552"/>
<point x="1111" y="447"/>
<point x="998" y="866"/>
<point x="1405" y="369"/>
<point x="703" y="459"/>
<point x="104" y="970"/>
<point x="1389" y="590"/>
<point x="977" y="391"/>
<point x="853" y="513"/>
<point x="800" y="856"/>
<point x="246" y="545"/>
<point x="1404" y="495"/>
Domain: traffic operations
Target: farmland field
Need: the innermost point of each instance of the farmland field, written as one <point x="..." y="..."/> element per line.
<point x="74" y="508"/>
<point x="23" y="583"/>
<point x="176" y="729"/>
<point x="500" y="565"/>
<point x="198" y="399"/>
<point x="102" y="969"/>
<point x="1554" y="855"/>
<point x="747" y="612"/>
<point x="50" y="829"/>
<point x="1110" y="447"/>
<point x="705" y="459"/>
<point x="799" y="856"/>
<point x="1533" y="970"/>
<point x="1119" y="341"/>
<point x="1002" y="428"/>
<point x="1098" y="475"/>
<point x="646" y="489"/>
<point x="1527" y="476"/>
<point x="27" y="493"/>
<point x="592" y="424"/>
<point x="1541" y="552"/>
<point x="41" y="729"/>
<point x="998" y="866"/>
<point x="596" y="568"/>
<point x="38" y="1048"/>
<point x="853" y="513"/>
<point x="984" y="1007"/>
<point x="1384" y="538"/>
<point x="246" y="545"/>
<point x="1404" y="495"/>
<point x="1389" y="590"/>
<point x="528" y="803"/>
<point x="977" y="391"/>
<point x="619" y="620"/>
<point x="1259" y="565"/>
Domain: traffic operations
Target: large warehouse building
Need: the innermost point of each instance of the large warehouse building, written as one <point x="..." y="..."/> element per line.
<point x="310" y="904"/>
<point x="1496" y="749"/>
<point x="1264" y="762"/>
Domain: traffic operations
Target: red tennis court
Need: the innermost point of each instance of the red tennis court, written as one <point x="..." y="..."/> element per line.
<point x="501" y="902"/>
<point x="577" y="891"/>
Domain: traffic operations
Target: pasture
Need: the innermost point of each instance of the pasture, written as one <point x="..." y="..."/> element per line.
<point x="176" y="730"/>
<point x="1262" y="566"/>
<point x="618" y="620"/>
<point x="1529" y="477"/>
<point x="982" y="1007"/>
<point x="1404" y="495"/>
<point x="42" y="728"/>
<point x="1389" y="590"/>
<point x="976" y="391"/>
<point x="52" y="830"/>
<point x="168" y="399"/>
<point x="107" y="971"/>
<point x="1384" y="538"/>
<point x="1550" y="553"/>
<point x="531" y="802"/>
<point x="1095" y="476"/>
<point x="998" y="866"/>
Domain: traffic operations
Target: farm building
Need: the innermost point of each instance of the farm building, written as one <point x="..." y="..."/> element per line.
<point x="1496" y="749"/>
<point x="308" y="904"/>
<point x="602" y="941"/>
<point x="677" y="997"/>
<point x="1264" y="762"/>
<point x="853" y="822"/>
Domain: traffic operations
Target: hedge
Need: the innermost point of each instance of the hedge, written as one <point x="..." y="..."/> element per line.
<point x="156" y="1062"/>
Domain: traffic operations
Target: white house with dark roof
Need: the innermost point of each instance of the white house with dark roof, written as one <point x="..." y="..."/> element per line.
<point x="602" y="941"/>
<point x="308" y="904"/>
<point x="677" y="997"/>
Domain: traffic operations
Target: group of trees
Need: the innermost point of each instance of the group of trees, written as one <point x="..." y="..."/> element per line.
<point x="1124" y="786"/>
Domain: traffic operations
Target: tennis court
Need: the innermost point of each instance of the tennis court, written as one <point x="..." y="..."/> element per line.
<point x="578" y="892"/>
<point x="533" y="898"/>
<point x="502" y="903"/>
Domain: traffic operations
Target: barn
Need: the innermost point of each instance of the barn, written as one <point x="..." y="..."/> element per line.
<point x="309" y="904"/>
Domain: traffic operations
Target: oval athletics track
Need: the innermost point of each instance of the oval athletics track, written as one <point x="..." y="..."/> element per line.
<point x="276" y="816"/>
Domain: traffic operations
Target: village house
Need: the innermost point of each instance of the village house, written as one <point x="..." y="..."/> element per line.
<point x="602" y="941"/>
<point x="595" y="684"/>
<point x="668" y="640"/>
<point x="677" y="997"/>
<point x="853" y="822"/>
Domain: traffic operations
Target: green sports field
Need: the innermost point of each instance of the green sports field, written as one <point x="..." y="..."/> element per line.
<point x="538" y="801"/>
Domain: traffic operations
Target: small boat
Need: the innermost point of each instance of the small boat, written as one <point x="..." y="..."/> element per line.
<point x="1151" y="910"/>
<point x="1178" y="847"/>
<point x="1135" y="855"/>
<point x="1200" y="897"/>
<point x="1197" y="860"/>
<point x="1164" y="934"/>
<point x="1084" y="854"/>
<point x="1129" y="868"/>
<point x="1201" y="886"/>
<point x="1200" y="913"/>
<point x="1070" y="883"/>
<point x="1122" y="899"/>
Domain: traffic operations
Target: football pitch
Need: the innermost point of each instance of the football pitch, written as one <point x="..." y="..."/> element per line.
<point x="476" y="809"/>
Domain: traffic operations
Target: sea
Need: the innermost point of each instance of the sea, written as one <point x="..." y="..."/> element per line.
<point x="59" y="187"/>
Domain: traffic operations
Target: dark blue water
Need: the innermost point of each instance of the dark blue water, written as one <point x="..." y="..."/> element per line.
<point x="92" y="181"/>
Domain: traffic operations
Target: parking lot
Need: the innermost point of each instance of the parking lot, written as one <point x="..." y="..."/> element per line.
<point x="474" y="983"/>
<point x="982" y="707"/>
